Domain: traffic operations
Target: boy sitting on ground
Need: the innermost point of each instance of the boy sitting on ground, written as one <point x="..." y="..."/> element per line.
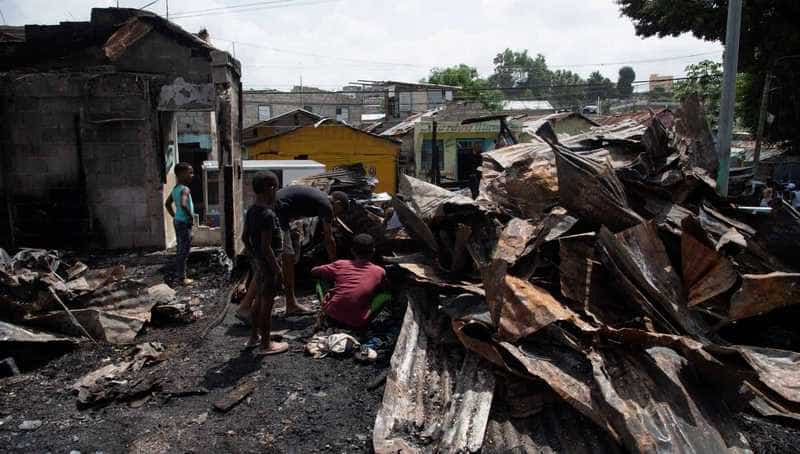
<point x="355" y="282"/>
<point x="262" y="238"/>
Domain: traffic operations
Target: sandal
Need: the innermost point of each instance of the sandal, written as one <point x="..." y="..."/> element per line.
<point x="274" y="349"/>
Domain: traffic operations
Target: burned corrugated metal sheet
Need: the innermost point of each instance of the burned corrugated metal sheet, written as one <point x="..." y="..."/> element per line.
<point x="518" y="307"/>
<point x="521" y="179"/>
<point x="591" y="189"/>
<point x="555" y="428"/>
<point x="778" y="369"/>
<point x="706" y="272"/>
<point x="437" y="397"/>
<point x="762" y="293"/>
<point x="638" y="261"/>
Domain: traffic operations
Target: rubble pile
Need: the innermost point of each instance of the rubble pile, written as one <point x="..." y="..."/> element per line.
<point x="598" y="296"/>
<point x="48" y="304"/>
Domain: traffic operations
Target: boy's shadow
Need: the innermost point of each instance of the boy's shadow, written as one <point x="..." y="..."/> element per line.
<point x="229" y="373"/>
<point x="241" y="330"/>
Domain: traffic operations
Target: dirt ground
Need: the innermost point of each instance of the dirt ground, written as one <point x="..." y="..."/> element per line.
<point x="300" y="404"/>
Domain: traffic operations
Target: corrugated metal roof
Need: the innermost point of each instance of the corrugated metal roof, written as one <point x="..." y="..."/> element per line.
<point x="527" y="105"/>
<point x="408" y="124"/>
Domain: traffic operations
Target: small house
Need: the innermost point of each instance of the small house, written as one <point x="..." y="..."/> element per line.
<point x="333" y="144"/>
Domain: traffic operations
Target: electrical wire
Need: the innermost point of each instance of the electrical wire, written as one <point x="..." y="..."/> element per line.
<point x="229" y="7"/>
<point x="255" y="8"/>
<point x="500" y="89"/>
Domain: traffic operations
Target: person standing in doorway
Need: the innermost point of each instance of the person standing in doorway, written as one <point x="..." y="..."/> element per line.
<point x="180" y="206"/>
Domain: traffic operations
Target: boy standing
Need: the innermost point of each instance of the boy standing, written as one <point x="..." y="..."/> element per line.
<point x="182" y="218"/>
<point x="262" y="238"/>
<point x="355" y="283"/>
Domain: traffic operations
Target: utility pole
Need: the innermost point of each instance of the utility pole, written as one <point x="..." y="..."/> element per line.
<point x="727" y="106"/>
<point x="762" y="118"/>
<point x="167" y="3"/>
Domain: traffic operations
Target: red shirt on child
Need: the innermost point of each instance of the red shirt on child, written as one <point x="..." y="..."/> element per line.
<point x="355" y="282"/>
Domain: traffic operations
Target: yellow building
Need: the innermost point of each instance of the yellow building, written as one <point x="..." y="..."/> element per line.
<point x="333" y="144"/>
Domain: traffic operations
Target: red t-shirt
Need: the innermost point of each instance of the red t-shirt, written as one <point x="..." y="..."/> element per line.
<point x="355" y="283"/>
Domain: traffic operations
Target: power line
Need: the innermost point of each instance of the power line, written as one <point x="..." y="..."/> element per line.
<point x="256" y="8"/>
<point x="230" y="7"/>
<point x="4" y="17"/>
<point x="490" y="89"/>
<point x="429" y="66"/>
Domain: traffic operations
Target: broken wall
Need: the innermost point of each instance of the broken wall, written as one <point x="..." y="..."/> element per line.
<point x="82" y="158"/>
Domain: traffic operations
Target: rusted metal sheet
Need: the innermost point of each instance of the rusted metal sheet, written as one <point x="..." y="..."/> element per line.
<point x="778" y="369"/>
<point x="637" y="260"/>
<point x="657" y="405"/>
<point x="425" y="273"/>
<point x="514" y="240"/>
<point x="432" y="202"/>
<point x="437" y="398"/>
<point x="577" y="258"/>
<point x="555" y="428"/>
<point x="518" y="307"/>
<point x="706" y="272"/>
<point x="524" y="181"/>
<point x="762" y="293"/>
<point x="415" y="225"/>
<point x="125" y="36"/>
<point x="591" y="189"/>
<point x="694" y="142"/>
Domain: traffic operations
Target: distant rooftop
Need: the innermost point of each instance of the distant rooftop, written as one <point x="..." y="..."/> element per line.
<point x="527" y="105"/>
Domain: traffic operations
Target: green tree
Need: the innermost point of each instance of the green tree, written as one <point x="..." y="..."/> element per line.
<point x="473" y="87"/>
<point x="769" y="36"/>
<point x="624" y="82"/>
<point x="705" y="80"/>
<point x="567" y="90"/>
<point x="513" y="69"/>
<point x="659" y="93"/>
<point x="598" y="86"/>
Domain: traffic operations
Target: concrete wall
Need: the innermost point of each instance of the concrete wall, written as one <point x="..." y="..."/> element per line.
<point x="322" y="104"/>
<point x="198" y="128"/>
<point x="83" y="160"/>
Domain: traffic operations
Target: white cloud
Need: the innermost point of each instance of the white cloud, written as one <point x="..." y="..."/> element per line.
<point x="416" y="34"/>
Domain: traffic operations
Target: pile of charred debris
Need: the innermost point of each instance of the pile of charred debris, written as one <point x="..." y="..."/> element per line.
<point x="598" y="296"/>
<point x="49" y="303"/>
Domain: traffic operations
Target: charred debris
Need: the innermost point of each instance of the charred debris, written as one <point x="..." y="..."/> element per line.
<point x="597" y="296"/>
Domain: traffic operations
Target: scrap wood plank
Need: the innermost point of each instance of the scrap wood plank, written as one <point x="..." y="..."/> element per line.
<point x="235" y="396"/>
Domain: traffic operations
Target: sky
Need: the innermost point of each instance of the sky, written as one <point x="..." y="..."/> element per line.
<point x="330" y="43"/>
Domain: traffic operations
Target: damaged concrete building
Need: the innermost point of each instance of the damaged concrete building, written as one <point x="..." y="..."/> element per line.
<point x="90" y="137"/>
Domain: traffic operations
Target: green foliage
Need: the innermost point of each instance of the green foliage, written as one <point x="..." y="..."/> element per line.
<point x="624" y="83"/>
<point x="599" y="86"/>
<point x="563" y="94"/>
<point x="659" y="94"/>
<point x="705" y="80"/>
<point x="472" y="86"/>
<point x="769" y="35"/>
<point x="514" y="69"/>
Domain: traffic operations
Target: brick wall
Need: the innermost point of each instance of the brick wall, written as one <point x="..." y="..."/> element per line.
<point x="323" y="104"/>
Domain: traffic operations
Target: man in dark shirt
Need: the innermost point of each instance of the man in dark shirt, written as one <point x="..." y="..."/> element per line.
<point x="263" y="242"/>
<point x="298" y="202"/>
<point x="292" y="203"/>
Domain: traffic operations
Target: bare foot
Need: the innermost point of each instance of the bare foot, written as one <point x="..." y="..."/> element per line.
<point x="298" y="309"/>
<point x="273" y="348"/>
